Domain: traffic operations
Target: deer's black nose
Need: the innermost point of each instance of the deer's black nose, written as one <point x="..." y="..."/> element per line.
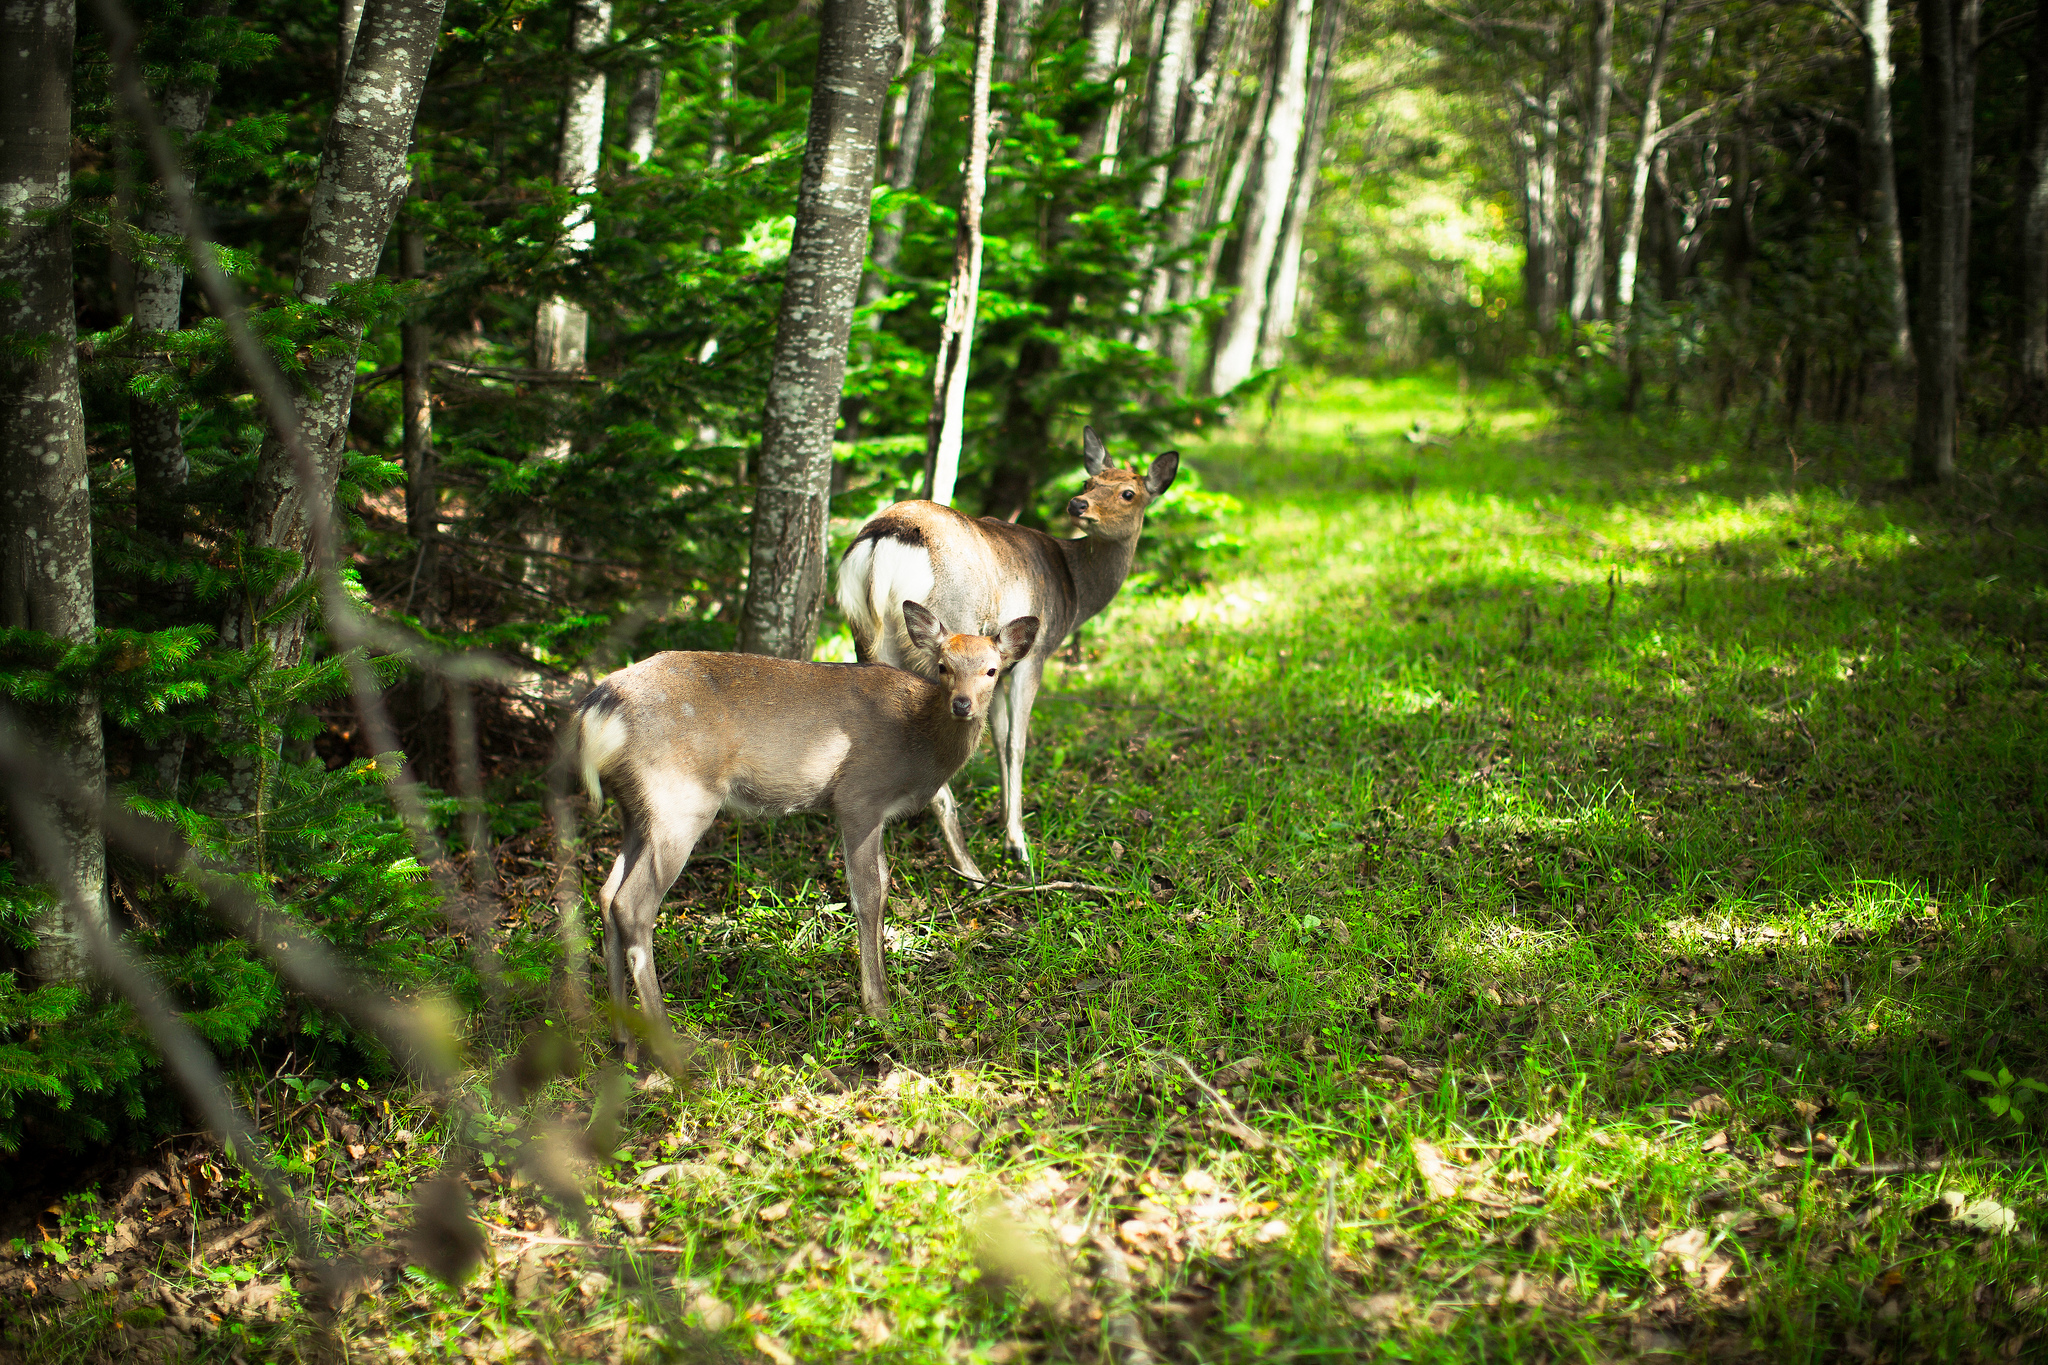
<point x="1077" y="507"/>
<point x="963" y="707"/>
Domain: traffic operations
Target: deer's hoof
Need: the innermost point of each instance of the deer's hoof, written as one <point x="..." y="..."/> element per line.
<point x="1017" y="851"/>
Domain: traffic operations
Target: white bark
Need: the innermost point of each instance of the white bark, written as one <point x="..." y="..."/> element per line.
<point x="1639" y="165"/>
<point x="561" y="334"/>
<point x="917" y="113"/>
<point x="1882" y="162"/>
<point x="946" y="428"/>
<point x="643" y="114"/>
<point x="46" y="578"/>
<point x="1285" y="291"/>
<point x="1237" y="344"/>
<point x="1589" y="295"/>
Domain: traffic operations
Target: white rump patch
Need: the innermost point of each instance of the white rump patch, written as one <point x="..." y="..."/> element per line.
<point x="875" y="579"/>
<point x="602" y="740"/>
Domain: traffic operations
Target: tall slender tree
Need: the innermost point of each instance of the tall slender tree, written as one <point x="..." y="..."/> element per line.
<point x="1942" y="246"/>
<point x="1881" y="170"/>
<point x="1648" y="137"/>
<point x="363" y="176"/>
<point x="422" y="468"/>
<point x="46" y="572"/>
<point x="946" y="428"/>
<point x="918" y="92"/>
<point x="1271" y="186"/>
<point x="561" y="330"/>
<point x="1197" y="131"/>
<point x="155" y="439"/>
<point x="1285" y="292"/>
<point x="1589" y="283"/>
<point x="857" y="47"/>
<point x="2034" y="234"/>
<point x="643" y="114"/>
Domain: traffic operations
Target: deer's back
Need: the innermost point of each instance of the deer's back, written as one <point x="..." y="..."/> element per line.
<point x="974" y="574"/>
<point x="766" y="736"/>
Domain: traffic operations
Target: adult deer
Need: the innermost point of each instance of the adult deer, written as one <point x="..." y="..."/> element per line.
<point x="678" y="737"/>
<point x="976" y="573"/>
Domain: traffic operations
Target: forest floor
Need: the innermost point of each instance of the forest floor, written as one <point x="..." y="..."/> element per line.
<point x="1562" y="891"/>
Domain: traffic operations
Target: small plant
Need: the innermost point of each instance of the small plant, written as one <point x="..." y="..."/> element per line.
<point x="2010" y="1095"/>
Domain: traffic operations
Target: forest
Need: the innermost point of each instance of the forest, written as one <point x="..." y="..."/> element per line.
<point x="1532" y="840"/>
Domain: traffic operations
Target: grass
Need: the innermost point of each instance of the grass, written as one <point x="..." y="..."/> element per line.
<point x="1582" y="865"/>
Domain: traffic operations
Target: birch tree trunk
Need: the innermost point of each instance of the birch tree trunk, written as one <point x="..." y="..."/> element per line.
<point x="561" y="331"/>
<point x="1589" y="298"/>
<point x="917" y="114"/>
<point x="1102" y="34"/>
<point x="1237" y="343"/>
<point x="1937" y="406"/>
<point x="1882" y="169"/>
<point x="1285" y="290"/>
<point x="46" y="579"/>
<point x="1163" y="95"/>
<point x="1536" y="134"/>
<point x="1639" y="168"/>
<point x="363" y="175"/>
<point x="1218" y="203"/>
<point x="1198" y="131"/>
<point x="643" y="114"/>
<point x="2034" y="236"/>
<point x="945" y="430"/>
<point x="154" y="438"/>
<point x="1018" y="36"/>
<point x="857" y="50"/>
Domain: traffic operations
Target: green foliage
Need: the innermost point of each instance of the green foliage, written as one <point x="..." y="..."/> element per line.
<point x="2011" y="1097"/>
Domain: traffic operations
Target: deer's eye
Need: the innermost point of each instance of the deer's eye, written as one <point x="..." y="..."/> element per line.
<point x="943" y="668"/>
<point x="991" y="672"/>
<point x="1130" y="493"/>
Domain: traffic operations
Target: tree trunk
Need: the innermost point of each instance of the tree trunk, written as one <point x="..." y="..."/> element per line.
<point x="1936" y="408"/>
<point x="1961" y="159"/>
<point x="1881" y="169"/>
<point x="917" y="114"/>
<point x="1639" y="169"/>
<point x="1217" y="203"/>
<point x="422" y="468"/>
<point x="1237" y="344"/>
<point x="1163" y="96"/>
<point x="154" y="437"/>
<point x="561" y="332"/>
<point x="1017" y="41"/>
<point x="643" y="114"/>
<point x="46" y="579"/>
<point x="2034" y="236"/>
<point x="1102" y="35"/>
<point x="1286" y="287"/>
<point x="1196" y="130"/>
<point x="344" y="53"/>
<point x="945" y="430"/>
<point x="363" y="174"/>
<point x="1589" y="295"/>
<point x="857" y="49"/>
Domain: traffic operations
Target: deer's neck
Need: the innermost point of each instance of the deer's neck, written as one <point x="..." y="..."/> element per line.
<point x="951" y="739"/>
<point x="1098" y="567"/>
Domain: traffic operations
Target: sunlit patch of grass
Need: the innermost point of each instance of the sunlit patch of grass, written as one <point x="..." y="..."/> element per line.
<point x="1641" y="835"/>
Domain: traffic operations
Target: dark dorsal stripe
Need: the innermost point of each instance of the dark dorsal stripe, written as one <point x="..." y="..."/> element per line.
<point x="886" y="527"/>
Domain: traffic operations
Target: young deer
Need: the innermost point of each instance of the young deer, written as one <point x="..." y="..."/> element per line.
<point x="678" y="737"/>
<point x="976" y="573"/>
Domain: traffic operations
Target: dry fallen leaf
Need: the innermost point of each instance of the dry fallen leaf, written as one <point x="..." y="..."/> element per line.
<point x="1717" y="1143"/>
<point x="775" y="1213"/>
<point x="1708" y="1106"/>
<point x="773" y="1348"/>
<point x="1537" y="1134"/>
<point x="1438" y="1175"/>
<point x="1806" y="1109"/>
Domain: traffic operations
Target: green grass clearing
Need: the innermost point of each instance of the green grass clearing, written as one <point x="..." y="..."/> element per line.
<point x="1562" y="851"/>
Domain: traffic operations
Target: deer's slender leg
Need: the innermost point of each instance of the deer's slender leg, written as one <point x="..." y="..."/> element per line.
<point x="948" y="812"/>
<point x="635" y="905"/>
<point x="867" y="882"/>
<point x="1012" y="733"/>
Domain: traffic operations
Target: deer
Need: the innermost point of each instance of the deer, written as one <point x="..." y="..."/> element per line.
<point x="680" y="736"/>
<point x="978" y="572"/>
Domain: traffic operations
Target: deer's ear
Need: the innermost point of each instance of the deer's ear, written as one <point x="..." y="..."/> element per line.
<point x="1094" y="454"/>
<point x="921" y="626"/>
<point x="1159" y="477"/>
<point x="1017" y="638"/>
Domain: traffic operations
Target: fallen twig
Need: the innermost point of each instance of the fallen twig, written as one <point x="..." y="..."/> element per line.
<point x="990" y="889"/>
<point x="1934" y="1166"/>
<point x="1231" y="1123"/>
